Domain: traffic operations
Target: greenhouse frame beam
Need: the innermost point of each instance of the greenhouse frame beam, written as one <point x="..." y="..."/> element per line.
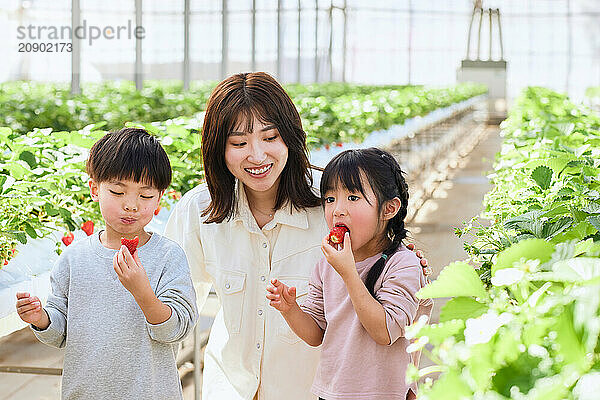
<point x="76" y="49"/>
<point x="299" y="43"/>
<point x="330" y="47"/>
<point x="224" y="39"/>
<point x="345" y="42"/>
<point x="279" y="41"/>
<point x="253" y="64"/>
<point x="410" y="41"/>
<point x="138" y="74"/>
<point x="316" y="40"/>
<point x="186" y="44"/>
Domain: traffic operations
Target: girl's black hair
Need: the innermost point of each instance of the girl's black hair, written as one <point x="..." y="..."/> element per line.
<point x="385" y="177"/>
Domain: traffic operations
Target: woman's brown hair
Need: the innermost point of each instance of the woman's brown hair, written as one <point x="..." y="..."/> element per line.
<point x="240" y="98"/>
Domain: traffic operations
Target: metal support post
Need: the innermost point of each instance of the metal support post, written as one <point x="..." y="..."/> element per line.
<point x="299" y="43"/>
<point x="345" y="43"/>
<point x="279" y="41"/>
<point x="253" y="34"/>
<point x="330" y="47"/>
<point x="186" y="44"/>
<point x="316" y="40"/>
<point x="138" y="74"/>
<point x="76" y="48"/>
<point x="224" y="39"/>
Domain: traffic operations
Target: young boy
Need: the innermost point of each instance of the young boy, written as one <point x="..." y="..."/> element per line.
<point x="119" y="315"/>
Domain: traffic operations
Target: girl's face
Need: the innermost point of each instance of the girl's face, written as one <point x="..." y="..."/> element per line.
<point x="126" y="206"/>
<point x="360" y="216"/>
<point x="256" y="158"/>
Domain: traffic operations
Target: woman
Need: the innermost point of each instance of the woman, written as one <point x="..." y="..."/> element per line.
<point x="256" y="217"/>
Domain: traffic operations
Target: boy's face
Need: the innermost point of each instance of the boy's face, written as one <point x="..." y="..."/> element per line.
<point x="126" y="206"/>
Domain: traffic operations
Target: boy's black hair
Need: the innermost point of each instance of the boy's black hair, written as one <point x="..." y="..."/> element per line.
<point x="385" y="178"/>
<point x="130" y="154"/>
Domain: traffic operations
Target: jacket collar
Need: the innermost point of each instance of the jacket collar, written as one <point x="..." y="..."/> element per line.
<point x="285" y="215"/>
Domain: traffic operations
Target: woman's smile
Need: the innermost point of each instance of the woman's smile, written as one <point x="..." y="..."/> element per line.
<point x="259" y="172"/>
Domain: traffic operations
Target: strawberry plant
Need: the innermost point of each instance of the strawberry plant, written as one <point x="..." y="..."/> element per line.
<point x="528" y="325"/>
<point x="546" y="177"/>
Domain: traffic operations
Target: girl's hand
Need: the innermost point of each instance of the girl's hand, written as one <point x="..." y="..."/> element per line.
<point x="131" y="273"/>
<point x="30" y="310"/>
<point x="283" y="298"/>
<point x="341" y="260"/>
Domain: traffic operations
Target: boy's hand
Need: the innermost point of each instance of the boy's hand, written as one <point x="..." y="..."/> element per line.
<point x="131" y="273"/>
<point x="341" y="260"/>
<point x="283" y="298"/>
<point x="30" y="310"/>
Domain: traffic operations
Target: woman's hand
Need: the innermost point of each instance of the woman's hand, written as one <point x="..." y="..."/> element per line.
<point x="341" y="260"/>
<point x="426" y="268"/>
<point x="283" y="298"/>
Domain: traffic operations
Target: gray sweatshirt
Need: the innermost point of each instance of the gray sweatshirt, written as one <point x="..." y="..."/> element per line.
<point x="111" y="351"/>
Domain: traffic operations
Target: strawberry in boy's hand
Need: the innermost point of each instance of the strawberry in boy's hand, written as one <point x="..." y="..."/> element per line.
<point x="336" y="236"/>
<point x="131" y="244"/>
<point x="88" y="227"/>
<point x="68" y="238"/>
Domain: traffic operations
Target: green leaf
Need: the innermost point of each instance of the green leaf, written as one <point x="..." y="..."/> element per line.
<point x="592" y="208"/>
<point x="450" y="386"/>
<point x="462" y="308"/>
<point x="576" y="232"/>
<point x="456" y="279"/>
<point x="570" y="347"/>
<point x="29" y="158"/>
<point x="437" y="333"/>
<point x="595" y="221"/>
<point x="530" y="249"/>
<point x="542" y="175"/>
<point x="577" y="270"/>
<point x="30" y="231"/>
<point x="21" y="237"/>
<point x="554" y="228"/>
<point x="530" y="222"/>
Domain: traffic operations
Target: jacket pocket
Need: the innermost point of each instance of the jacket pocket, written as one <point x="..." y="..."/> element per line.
<point x="284" y="332"/>
<point x="232" y="285"/>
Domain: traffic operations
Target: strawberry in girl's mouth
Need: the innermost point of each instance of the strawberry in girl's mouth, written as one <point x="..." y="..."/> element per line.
<point x="336" y="236"/>
<point x="131" y="244"/>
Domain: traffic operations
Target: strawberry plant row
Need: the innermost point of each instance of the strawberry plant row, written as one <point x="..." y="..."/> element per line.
<point x="336" y="111"/>
<point x="30" y="105"/>
<point x="529" y="326"/>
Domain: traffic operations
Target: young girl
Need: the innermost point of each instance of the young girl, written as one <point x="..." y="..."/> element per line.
<point x="362" y="296"/>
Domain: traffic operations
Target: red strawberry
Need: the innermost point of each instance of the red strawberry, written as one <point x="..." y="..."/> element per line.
<point x="337" y="234"/>
<point x="339" y="144"/>
<point x="88" y="227"/>
<point x="175" y="195"/>
<point x="131" y="244"/>
<point x="68" y="238"/>
<point x="157" y="210"/>
<point x="5" y="262"/>
<point x="12" y="252"/>
<point x="326" y="147"/>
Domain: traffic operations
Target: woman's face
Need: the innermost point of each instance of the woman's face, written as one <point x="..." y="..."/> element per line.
<point x="256" y="158"/>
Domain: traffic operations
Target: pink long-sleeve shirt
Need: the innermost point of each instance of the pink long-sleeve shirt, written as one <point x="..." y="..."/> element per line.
<point x="352" y="364"/>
